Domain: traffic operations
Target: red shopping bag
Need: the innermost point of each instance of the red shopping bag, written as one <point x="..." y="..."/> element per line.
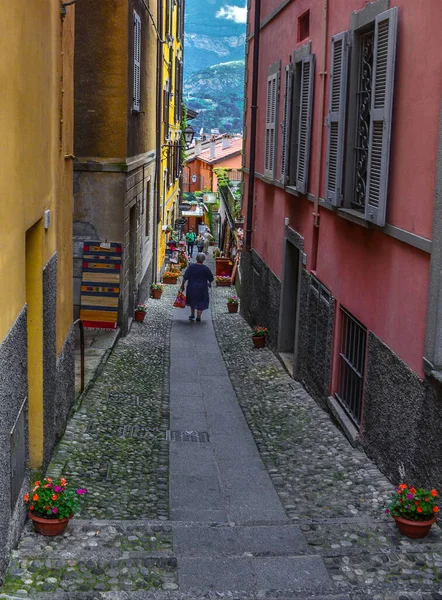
<point x="180" y="300"/>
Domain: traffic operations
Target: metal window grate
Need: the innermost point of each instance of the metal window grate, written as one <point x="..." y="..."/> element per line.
<point x="351" y="366"/>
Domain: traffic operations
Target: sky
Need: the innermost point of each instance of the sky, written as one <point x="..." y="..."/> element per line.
<point x="237" y="14"/>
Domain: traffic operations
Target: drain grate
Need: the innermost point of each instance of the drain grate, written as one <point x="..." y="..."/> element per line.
<point x="187" y="436"/>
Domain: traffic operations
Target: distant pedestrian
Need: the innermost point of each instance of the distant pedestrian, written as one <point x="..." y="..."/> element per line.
<point x="199" y="279"/>
<point x="190" y="239"/>
<point x="200" y="243"/>
<point x="208" y="237"/>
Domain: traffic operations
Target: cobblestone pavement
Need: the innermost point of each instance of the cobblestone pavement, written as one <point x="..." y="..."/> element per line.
<point x="330" y="489"/>
<point x="115" y="446"/>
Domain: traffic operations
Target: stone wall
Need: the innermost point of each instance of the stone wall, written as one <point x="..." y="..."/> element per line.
<point x="13" y="392"/>
<point x="315" y="340"/>
<point x="260" y="294"/>
<point x="402" y="419"/>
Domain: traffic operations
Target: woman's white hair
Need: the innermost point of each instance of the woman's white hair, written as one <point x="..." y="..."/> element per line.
<point x="200" y="257"/>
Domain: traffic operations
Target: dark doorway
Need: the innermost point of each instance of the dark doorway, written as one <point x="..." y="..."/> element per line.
<point x="132" y="259"/>
<point x="289" y="308"/>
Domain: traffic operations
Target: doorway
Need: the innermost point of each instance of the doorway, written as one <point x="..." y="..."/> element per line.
<point x="132" y="259"/>
<point x="289" y="307"/>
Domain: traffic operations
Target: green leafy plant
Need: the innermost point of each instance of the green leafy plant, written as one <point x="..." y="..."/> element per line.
<point x="141" y="308"/>
<point x="414" y="504"/>
<point x="259" y="331"/>
<point x="232" y="300"/>
<point x="216" y="252"/>
<point x="157" y="286"/>
<point x="54" y="499"/>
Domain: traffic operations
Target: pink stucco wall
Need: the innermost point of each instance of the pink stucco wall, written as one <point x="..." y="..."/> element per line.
<point x="379" y="279"/>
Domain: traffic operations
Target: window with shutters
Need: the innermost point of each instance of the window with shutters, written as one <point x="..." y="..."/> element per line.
<point x="137" y="64"/>
<point x="297" y="119"/>
<point x="357" y="178"/>
<point x="271" y="120"/>
<point x="166" y="102"/>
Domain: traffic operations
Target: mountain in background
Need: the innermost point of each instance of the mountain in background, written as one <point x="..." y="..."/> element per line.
<point x="214" y="62"/>
<point x="217" y="94"/>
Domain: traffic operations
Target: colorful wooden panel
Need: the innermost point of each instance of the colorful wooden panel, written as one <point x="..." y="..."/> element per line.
<point x="100" y="285"/>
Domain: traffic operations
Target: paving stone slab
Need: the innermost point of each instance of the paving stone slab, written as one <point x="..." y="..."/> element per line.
<point x="199" y="541"/>
<point x="224" y="574"/>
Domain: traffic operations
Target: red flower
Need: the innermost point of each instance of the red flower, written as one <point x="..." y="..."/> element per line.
<point x="35" y="497"/>
<point x="435" y="509"/>
<point x="412" y="490"/>
<point x="434" y="493"/>
<point x="26" y="497"/>
<point x="419" y="509"/>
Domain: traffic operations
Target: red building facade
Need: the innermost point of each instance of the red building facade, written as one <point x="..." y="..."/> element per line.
<point x="344" y="237"/>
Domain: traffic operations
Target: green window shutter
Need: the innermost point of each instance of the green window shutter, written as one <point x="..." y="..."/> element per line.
<point x="271" y="119"/>
<point x="336" y="117"/>
<point x="305" y="122"/>
<point x="381" y="113"/>
<point x="286" y="123"/>
<point x="137" y="63"/>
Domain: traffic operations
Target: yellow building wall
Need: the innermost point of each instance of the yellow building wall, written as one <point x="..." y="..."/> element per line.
<point x="169" y="195"/>
<point x="36" y="131"/>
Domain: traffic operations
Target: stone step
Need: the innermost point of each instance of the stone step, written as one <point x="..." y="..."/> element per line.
<point x="274" y="540"/>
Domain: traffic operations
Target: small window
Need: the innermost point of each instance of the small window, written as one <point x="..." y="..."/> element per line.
<point x="304" y="26"/>
<point x="137" y="64"/>
<point x="351" y="366"/>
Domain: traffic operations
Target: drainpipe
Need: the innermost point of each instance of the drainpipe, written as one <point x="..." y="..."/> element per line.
<point x="323" y="76"/>
<point x="159" y="120"/>
<point x="253" y="107"/>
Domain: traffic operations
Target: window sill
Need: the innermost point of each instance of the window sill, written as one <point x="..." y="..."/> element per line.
<point x="291" y="190"/>
<point x="353" y="215"/>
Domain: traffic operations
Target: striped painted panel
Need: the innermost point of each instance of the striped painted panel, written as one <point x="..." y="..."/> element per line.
<point x="100" y="285"/>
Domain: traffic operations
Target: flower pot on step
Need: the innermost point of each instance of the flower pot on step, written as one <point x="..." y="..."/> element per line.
<point x="156" y="294"/>
<point x="232" y="308"/>
<point x="139" y="316"/>
<point x="414" y="529"/>
<point x="48" y="526"/>
<point x="259" y="341"/>
<point x="171" y="280"/>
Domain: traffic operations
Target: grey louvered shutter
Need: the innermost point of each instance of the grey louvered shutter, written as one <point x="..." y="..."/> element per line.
<point x="286" y="123"/>
<point x="137" y="63"/>
<point x="305" y="122"/>
<point x="271" y="120"/>
<point x="336" y="117"/>
<point x="381" y="113"/>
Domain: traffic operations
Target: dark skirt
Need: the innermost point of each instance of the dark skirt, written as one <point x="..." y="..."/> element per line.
<point x="197" y="295"/>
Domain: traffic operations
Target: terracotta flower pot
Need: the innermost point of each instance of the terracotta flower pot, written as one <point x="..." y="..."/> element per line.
<point x="48" y="526"/>
<point x="139" y="316"/>
<point x="232" y="308"/>
<point x="171" y="280"/>
<point x="414" y="529"/>
<point x="225" y="283"/>
<point x="259" y="341"/>
<point x="156" y="294"/>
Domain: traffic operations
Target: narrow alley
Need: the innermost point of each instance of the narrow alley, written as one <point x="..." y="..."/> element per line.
<point x="212" y="473"/>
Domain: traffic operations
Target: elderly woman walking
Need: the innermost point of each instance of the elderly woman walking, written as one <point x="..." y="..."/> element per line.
<point x="198" y="277"/>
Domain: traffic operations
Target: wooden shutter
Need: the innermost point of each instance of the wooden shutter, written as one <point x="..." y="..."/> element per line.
<point x="336" y="117"/>
<point x="305" y="122"/>
<point x="137" y="63"/>
<point x="271" y="120"/>
<point x="286" y="123"/>
<point x="381" y="113"/>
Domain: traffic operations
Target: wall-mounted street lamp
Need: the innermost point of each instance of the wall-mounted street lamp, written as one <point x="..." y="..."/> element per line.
<point x="188" y="134"/>
<point x="194" y="178"/>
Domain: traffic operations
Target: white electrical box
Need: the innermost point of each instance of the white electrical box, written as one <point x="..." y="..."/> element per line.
<point x="47" y="219"/>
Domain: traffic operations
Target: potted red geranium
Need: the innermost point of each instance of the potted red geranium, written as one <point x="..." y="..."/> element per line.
<point x="140" y="312"/>
<point x="232" y="304"/>
<point x="413" y="509"/>
<point x="52" y="504"/>
<point x="259" y="336"/>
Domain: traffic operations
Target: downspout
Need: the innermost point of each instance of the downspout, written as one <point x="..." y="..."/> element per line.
<point x="323" y="75"/>
<point x="159" y="120"/>
<point x="253" y="107"/>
